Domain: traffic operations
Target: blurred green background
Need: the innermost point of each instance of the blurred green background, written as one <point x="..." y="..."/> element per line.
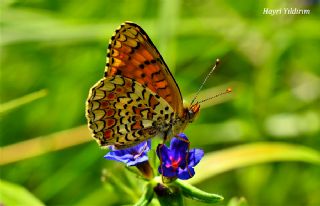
<point x="59" y="47"/>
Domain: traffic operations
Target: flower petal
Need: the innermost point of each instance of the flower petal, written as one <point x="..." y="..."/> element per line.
<point x="130" y="156"/>
<point x="179" y="148"/>
<point x="167" y="171"/>
<point x="195" y="155"/>
<point x="186" y="173"/>
<point x="120" y="158"/>
<point x="137" y="161"/>
<point x="180" y="143"/>
<point x="163" y="153"/>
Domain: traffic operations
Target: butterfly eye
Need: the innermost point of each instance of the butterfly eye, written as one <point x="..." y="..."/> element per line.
<point x="195" y="108"/>
<point x="193" y="112"/>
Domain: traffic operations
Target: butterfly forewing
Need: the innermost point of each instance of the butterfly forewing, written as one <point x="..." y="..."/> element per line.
<point x="132" y="54"/>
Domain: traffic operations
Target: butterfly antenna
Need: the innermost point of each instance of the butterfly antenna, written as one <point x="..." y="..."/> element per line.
<point x="217" y="95"/>
<point x="213" y="68"/>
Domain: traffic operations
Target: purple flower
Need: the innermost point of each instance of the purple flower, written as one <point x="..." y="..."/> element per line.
<point x="131" y="156"/>
<point x="178" y="161"/>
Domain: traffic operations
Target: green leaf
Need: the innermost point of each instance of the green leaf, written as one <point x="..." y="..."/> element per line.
<point x="194" y="193"/>
<point x="22" y="100"/>
<point x="245" y="155"/>
<point x="13" y="194"/>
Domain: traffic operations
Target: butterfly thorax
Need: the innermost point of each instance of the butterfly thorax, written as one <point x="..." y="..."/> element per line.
<point x="189" y="115"/>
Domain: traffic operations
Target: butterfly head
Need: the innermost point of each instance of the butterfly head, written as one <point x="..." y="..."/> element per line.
<point x="193" y="112"/>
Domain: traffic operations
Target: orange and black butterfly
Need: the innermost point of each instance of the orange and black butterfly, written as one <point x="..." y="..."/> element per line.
<point x="137" y="98"/>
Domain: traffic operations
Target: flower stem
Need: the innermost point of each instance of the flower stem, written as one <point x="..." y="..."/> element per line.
<point x="147" y="196"/>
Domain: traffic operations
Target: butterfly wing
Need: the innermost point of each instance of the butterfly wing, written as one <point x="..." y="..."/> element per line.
<point x="132" y="54"/>
<point x="123" y="113"/>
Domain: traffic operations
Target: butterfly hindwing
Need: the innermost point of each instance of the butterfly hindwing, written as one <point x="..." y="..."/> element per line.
<point x="122" y="112"/>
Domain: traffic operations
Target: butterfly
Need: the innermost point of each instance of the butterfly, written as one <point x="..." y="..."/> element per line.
<point x="138" y="98"/>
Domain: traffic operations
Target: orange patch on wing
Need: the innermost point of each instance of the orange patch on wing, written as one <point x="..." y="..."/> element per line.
<point x="138" y="57"/>
<point x="137" y="126"/>
<point x="128" y="67"/>
<point x="111" y="122"/>
<point x="151" y="69"/>
<point x="146" y="54"/>
<point x="110" y="112"/>
<point x="111" y="96"/>
<point x="125" y="49"/>
<point x="153" y="102"/>
<point x="161" y="84"/>
<point x="113" y="71"/>
<point x="108" y="134"/>
<point x="119" y="90"/>
<point x="105" y="104"/>
<point x="137" y="111"/>
<point x="169" y="98"/>
<point x="122" y="56"/>
<point x="128" y="85"/>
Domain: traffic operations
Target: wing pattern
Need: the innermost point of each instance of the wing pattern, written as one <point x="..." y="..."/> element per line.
<point x="132" y="54"/>
<point x="122" y="112"/>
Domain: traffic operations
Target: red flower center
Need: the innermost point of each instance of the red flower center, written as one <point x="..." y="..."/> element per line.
<point x="174" y="163"/>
